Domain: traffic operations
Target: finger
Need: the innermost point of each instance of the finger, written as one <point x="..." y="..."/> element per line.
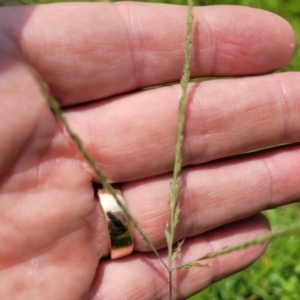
<point x="145" y="278"/>
<point x="215" y="194"/>
<point x="92" y="51"/>
<point x="134" y="137"/>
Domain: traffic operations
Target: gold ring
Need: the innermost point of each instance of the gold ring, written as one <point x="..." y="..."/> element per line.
<point x="120" y="234"/>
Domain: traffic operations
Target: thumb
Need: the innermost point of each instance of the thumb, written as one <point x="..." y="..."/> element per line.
<point x="21" y="108"/>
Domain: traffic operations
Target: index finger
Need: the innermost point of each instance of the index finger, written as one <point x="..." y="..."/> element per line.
<point x="88" y="51"/>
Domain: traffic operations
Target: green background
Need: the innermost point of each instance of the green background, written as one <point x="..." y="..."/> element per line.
<point x="277" y="274"/>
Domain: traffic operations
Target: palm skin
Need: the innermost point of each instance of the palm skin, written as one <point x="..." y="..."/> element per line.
<point x="53" y="235"/>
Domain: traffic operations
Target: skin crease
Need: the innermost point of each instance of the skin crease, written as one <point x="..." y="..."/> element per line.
<point x="96" y="58"/>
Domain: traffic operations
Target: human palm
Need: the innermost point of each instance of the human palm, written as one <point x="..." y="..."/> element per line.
<point x="53" y="235"/>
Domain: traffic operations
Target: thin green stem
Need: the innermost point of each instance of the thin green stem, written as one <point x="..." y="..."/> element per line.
<point x="256" y="241"/>
<point x="102" y="178"/>
<point x="175" y="188"/>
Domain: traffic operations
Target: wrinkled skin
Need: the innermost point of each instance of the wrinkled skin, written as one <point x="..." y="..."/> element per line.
<point x="96" y="59"/>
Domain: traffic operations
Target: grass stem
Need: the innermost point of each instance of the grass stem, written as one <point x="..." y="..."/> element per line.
<point x="54" y="105"/>
<point x="176" y="183"/>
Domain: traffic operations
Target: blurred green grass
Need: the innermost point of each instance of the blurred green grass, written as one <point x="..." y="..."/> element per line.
<point x="276" y="275"/>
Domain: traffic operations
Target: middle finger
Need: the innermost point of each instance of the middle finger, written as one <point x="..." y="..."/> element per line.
<point x="133" y="136"/>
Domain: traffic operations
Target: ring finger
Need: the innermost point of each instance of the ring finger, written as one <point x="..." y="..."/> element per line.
<point x="215" y="194"/>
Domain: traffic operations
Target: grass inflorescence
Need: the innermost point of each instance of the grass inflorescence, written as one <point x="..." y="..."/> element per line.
<point x="176" y="183"/>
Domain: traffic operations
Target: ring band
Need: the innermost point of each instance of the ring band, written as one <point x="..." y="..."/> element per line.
<point x="121" y="239"/>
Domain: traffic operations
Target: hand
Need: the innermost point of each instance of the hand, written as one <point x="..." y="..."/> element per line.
<point x="93" y="57"/>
